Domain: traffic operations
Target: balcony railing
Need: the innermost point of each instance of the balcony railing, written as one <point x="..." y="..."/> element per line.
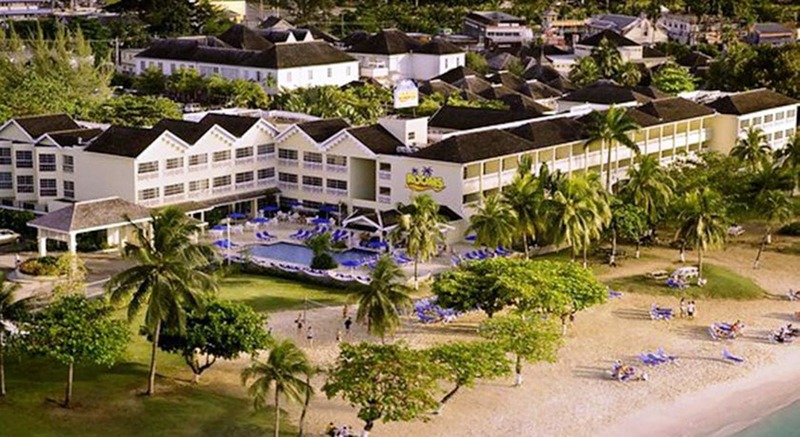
<point x="199" y="194"/>
<point x="268" y="182"/>
<point x="221" y="164"/>
<point x="287" y="185"/>
<point x="312" y="165"/>
<point x="246" y="185"/>
<point x="198" y="167"/>
<point x="222" y="190"/>
<point x="385" y="199"/>
<point x="265" y="157"/>
<point x="288" y="162"/>
<point x="150" y="202"/>
<point x="312" y="188"/>
<point x="245" y="161"/>
<point x="175" y="198"/>
<point x="338" y="192"/>
<point x="384" y="175"/>
<point x="336" y="168"/>
<point x="147" y="176"/>
<point x="174" y="172"/>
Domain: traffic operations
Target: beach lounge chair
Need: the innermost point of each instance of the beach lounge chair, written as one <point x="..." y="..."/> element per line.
<point x="657" y="313"/>
<point x="502" y="251"/>
<point x="730" y="357"/>
<point x="614" y="294"/>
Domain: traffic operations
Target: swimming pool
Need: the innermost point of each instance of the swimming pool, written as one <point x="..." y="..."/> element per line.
<point x="297" y="254"/>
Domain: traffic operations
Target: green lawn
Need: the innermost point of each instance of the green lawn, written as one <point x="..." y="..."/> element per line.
<point x="266" y="294"/>
<point x="722" y="284"/>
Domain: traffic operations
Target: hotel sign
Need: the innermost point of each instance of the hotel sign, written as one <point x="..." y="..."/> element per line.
<point x="406" y="95"/>
<point x="424" y="180"/>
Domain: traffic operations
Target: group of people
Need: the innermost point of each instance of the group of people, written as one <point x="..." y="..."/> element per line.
<point x="624" y="372"/>
<point x="301" y="322"/>
<point x="688" y="309"/>
<point x="333" y="431"/>
<point x="786" y="334"/>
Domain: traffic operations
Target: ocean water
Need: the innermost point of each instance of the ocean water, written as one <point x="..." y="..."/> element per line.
<point x="782" y="423"/>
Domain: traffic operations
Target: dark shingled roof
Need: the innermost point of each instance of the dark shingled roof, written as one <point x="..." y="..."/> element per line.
<point x="463" y="118"/>
<point x="124" y="141"/>
<point x="522" y="103"/>
<point x="562" y="84"/>
<point x="538" y="90"/>
<point x="237" y="125"/>
<point x="695" y="59"/>
<point x="188" y="131"/>
<point x="74" y="137"/>
<point x="90" y="214"/>
<point x="474" y="147"/>
<point x="299" y="54"/>
<point x="320" y="34"/>
<point x="613" y="37"/>
<point x="772" y="28"/>
<point x="651" y="91"/>
<point x="455" y="74"/>
<point x="432" y="86"/>
<point x="355" y="38"/>
<point x="321" y="130"/>
<point x="438" y="46"/>
<point x="38" y="125"/>
<point x="241" y="37"/>
<point x="377" y="139"/>
<point x="748" y="102"/>
<point x="547" y="133"/>
<point x="606" y="92"/>
<point x="674" y="109"/>
<point x="386" y="42"/>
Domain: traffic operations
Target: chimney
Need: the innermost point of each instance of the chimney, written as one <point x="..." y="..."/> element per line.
<point x="412" y="132"/>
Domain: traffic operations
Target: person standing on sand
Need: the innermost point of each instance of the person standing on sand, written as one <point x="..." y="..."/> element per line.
<point x="683" y="307"/>
<point x="690" y="310"/>
<point x="347" y="324"/>
<point x="345" y="311"/>
<point x="338" y="335"/>
<point x="310" y="335"/>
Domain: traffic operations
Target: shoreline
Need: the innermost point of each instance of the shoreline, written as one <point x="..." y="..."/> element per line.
<point x="721" y="409"/>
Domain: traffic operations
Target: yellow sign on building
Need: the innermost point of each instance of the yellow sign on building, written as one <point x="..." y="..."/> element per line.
<point x="424" y="180"/>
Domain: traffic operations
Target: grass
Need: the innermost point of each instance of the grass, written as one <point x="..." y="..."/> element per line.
<point x="722" y="284"/>
<point x="266" y="294"/>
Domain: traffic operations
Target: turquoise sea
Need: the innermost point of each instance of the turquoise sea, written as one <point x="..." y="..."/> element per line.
<point x="783" y="423"/>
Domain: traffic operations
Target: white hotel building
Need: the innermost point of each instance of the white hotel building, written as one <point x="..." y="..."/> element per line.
<point x="242" y="162"/>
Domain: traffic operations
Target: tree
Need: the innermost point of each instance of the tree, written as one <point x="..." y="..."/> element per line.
<point x="585" y="72"/>
<point x="612" y="127"/>
<point x="607" y="57"/>
<point x="307" y="395"/>
<point x="702" y="221"/>
<point x="152" y="81"/>
<point x="170" y="18"/>
<point x="357" y="104"/>
<point x="419" y="227"/>
<point x="789" y="160"/>
<point x="134" y="111"/>
<point x="464" y="363"/>
<point x="320" y="245"/>
<point x="12" y="310"/>
<point x="477" y="285"/>
<point x="673" y="79"/>
<point x="628" y="222"/>
<point x="306" y="11"/>
<point x="628" y="74"/>
<point x="577" y="212"/>
<point x="284" y="369"/>
<point x="752" y="150"/>
<point x="380" y="301"/>
<point x="476" y="62"/>
<point x="185" y="85"/>
<point x="385" y="382"/>
<point x="649" y="187"/>
<point x="218" y="330"/>
<point x="526" y="198"/>
<point x="527" y="337"/>
<point x="775" y="208"/>
<point x="494" y="223"/>
<point x="75" y="330"/>
<point x="167" y="276"/>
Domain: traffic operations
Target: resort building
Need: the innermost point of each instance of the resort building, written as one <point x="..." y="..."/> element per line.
<point x="497" y="28"/>
<point x="774" y="34"/>
<point x="690" y="29"/>
<point x="638" y="29"/>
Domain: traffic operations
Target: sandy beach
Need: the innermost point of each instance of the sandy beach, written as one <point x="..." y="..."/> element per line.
<point x="700" y="395"/>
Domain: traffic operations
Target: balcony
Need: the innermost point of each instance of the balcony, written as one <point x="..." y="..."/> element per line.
<point x="375" y="71"/>
<point x="174" y="172"/>
<point x="288" y="186"/>
<point x="472" y="185"/>
<point x="245" y="186"/>
<point x="386" y="200"/>
<point x="313" y="165"/>
<point x="221" y="164"/>
<point x="147" y="176"/>
<point x="312" y="188"/>
<point x="265" y="157"/>
<point x="199" y="194"/>
<point x="222" y="190"/>
<point x="336" y="168"/>
<point x="385" y="175"/>
<point x="268" y="182"/>
<point x="338" y="192"/>
<point x="245" y="161"/>
<point x="150" y="202"/>
<point x="174" y="198"/>
<point x="197" y="168"/>
<point x="288" y="162"/>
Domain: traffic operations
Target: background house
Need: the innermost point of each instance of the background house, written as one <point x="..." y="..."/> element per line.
<point x="638" y="29"/>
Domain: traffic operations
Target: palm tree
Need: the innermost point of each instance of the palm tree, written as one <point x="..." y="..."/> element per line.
<point x="607" y="58"/>
<point x="309" y="393"/>
<point x="11" y="309"/>
<point x="494" y="223"/>
<point x="584" y="72"/>
<point x="628" y="74"/>
<point x="611" y="127"/>
<point x="379" y="302"/>
<point x="167" y="278"/>
<point x="525" y="196"/>
<point x="284" y="369"/>
<point x="752" y="150"/>
<point x="649" y="187"/>
<point x="577" y="213"/>
<point x="420" y="227"/>
<point x="775" y="207"/>
<point x="789" y="160"/>
<point x="702" y="222"/>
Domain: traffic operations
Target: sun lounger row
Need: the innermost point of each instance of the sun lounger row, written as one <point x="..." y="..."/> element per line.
<point x="656" y="358"/>
<point x="725" y="331"/>
<point x="657" y="313"/>
<point x="264" y="236"/>
<point x="428" y="311"/>
<point x="340" y="235"/>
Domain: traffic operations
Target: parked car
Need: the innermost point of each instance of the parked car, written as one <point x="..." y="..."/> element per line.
<point x="8" y="236"/>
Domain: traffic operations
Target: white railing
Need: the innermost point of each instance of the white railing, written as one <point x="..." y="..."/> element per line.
<point x="472" y="185"/>
<point x="150" y="202"/>
<point x="385" y="199"/>
<point x="245" y="161"/>
<point x="287" y="185"/>
<point x="147" y="176"/>
<point x="198" y="167"/>
<point x="173" y="172"/>
<point x="312" y="165"/>
<point x="265" y="157"/>
<point x="246" y="186"/>
<point x="199" y="194"/>
<point x="268" y="182"/>
<point x="312" y="188"/>
<point x="338" y="192"/>
<point x="222" y="190"/>
<point x="221" y="164"/>
<point x="384" y="175"/>
<point x="174" y="198"/>
<point x="288" y="162"/>
<point x="336" y="168"/>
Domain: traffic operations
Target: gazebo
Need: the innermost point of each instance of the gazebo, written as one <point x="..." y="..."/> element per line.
<point x="113" y="215"/>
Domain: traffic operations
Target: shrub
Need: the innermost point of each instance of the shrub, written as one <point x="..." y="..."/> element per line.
<point x="323" y="261"/>
<point x="792" y="229"/>
<point x="44" y="266"/>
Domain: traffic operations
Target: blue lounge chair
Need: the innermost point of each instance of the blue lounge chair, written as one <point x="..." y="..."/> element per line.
<point x="730" y="357"/>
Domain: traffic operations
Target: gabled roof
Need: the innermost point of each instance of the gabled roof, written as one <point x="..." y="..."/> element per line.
<point x="92" y="214"/>
<point x="772" y="28"/>
<point x="321" y="130"/>
<point x="237" y="125"/>
<point x="612" y="37"/>
<point x="494" y="17"/>
<point x="320" y="34"/>
<point x="615" y="21"/>
<point x="747" y="102"/>
<point x="377" y="139"/>
<point x="473" y="147"/>
<point x="551" y="132"/>
<point x="188" y="131"/>
<point x="386" y="42"/>
<point x="458" y="73"/>
<point x="273" y="22"/>
<point x="129" y="142"/>
<point x="438" y="46"/>
<point x="463" y="118"/>
<point x="241" y="37"/>
<point x="605" y="92"/>
<point x="38" y="125"/>
<point x="298" y="55"/>
<point x="74" y="137"/>
<point x="673" y="109"/>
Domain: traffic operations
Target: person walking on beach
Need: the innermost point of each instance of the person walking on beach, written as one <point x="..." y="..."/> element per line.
<point x="690" y="310"/>
<point x="683" y="307"/>
<point x="347" y="324"/>
<point x="310" y="335"/>
<point x="345" y="311"/>
<point x="299" y="322"/>
<point x="338" y="335"/>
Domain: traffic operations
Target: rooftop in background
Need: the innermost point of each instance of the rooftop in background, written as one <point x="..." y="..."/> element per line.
<point x="613" y="21"/>
<point x="321" y="130"/>
<point x="607" y="34"/>
<point x="550" y="132"/>
<point x="494" y="17"/>
<point x="473" y="147"/>
<point x="668" y="110"/>
<point x="772" y="28"/>
<point x="377" y="139"/>
<point x="463" y="117"/>
<point x="74" y="137"/>
<point x="747" y="102"/>
<point x="92" y="214"/>
<point x="606" y="92"/>
<point x="38" y="125"/>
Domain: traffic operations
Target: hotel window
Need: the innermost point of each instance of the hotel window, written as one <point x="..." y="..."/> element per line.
<point x="174" y="163"/>
<point x="287" y="154"/>
<point x="780" y="116"/>
<point x="768" y="118"/>
<point x="198" y="160"/>
<point x="69" y="189"/>
<point x="312" y="157"/>
<point x="222" y="181"/>
<point x="6" y="181"/>
<point x="778" y="135"/>
<point x="148" y="194"/>
<point x="313" y="181"/>
<point x="148" y="167"/>
<point x="47" y="162"/>
<point x="266" y="149"/>
<point x="472" y="171"/>
<point x="337" y="184"/>
<point x="385" y="166"/>
<point x="266" y="173"/>
<point x="349" y="70"/>
<point x="173" y="190"/>
<point x="471" y="198"/>
<point x="756" y="121"/>
<point x="68" y="164"/>
<point x="244" y="152"/>
<point x="48" y="187"/>
<point x="5" y="156"/>
<point x="411" y="136"/>
<point x="242" y="178"/>
<point x="310" y="74"/>
<point x="287" y="177"/>
<point x="24" y="159"/>
<point x="222" y="155"/>
<point x="330" y="72"/>
<point x="198" y="185"/>
<point x="744" y="124"/>
<point x="385" y="191"/>
<point x="24" y="184"/>
<point x="337" y="160"/>
<point x="790" y="113"/>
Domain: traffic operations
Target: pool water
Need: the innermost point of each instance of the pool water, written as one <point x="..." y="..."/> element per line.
<point x="297" y="254"/>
